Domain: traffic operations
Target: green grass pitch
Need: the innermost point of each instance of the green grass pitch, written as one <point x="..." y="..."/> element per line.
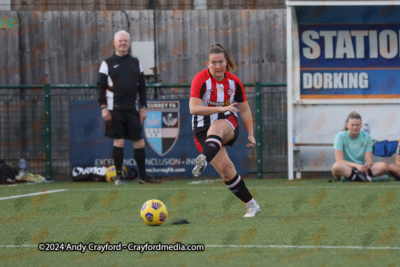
<point x="307" y="222"/>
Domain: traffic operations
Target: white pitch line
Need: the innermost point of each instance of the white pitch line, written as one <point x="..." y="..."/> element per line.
<point x="260" y="246"/>
<point x="17" y="246"/>
<point x="34" y="194"/>
<point x="304" y="247"/>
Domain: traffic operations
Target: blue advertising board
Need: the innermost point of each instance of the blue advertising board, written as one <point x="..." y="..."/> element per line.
<point x="170" y="148"/>
<point x="349" y="51"/>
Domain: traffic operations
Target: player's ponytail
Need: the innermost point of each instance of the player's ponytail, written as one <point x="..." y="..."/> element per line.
<point x="352" y="115"/>
<point x="217" y="48"/>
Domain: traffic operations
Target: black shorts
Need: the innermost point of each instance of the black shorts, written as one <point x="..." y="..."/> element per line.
<point x="125" y="124"/>
<point x="200" y="137"/>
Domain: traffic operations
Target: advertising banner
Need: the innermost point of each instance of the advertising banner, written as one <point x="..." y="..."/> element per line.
<point x="170" y="149"/>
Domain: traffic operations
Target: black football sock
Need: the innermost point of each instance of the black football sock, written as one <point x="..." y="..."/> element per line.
<point x="238" y="187"/>
<point x="140" y="158"/>
<point x="118" y="155"/>
<point x="356" y="175"/>
<point x="211" y="147"/>
<point x="353" y="174"/>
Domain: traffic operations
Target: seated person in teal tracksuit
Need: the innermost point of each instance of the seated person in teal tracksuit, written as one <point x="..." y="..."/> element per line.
<point x="353" y="153"/>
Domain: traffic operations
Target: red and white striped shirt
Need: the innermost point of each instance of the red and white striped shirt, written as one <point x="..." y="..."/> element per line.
<point x="215" y="93"/>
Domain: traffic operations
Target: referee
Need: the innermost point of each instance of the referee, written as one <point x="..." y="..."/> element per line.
<point x="121" y="80"/>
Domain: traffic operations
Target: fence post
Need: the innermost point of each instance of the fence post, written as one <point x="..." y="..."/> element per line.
<point x="47" y="110"/>
<point x="259" y="130"/>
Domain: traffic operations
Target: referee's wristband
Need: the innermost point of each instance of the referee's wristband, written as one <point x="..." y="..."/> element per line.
<point x="103" y="107"/>
<point x="143" y="107"/>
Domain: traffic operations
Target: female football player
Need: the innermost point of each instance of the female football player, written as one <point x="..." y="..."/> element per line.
<point x="353" y="153"/>
<point x="215" y="99"/>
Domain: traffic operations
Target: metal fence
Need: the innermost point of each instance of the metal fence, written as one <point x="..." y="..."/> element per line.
<point x="34" y="124"/>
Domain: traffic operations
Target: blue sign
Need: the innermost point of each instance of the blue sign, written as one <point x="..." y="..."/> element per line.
<point x="170" y="148"/>
<point x="349" y="51"/>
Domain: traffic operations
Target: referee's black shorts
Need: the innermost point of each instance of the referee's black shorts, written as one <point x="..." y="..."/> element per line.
<point x="125" y="124"/>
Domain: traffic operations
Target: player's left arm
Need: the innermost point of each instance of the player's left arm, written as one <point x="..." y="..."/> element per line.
<point x="368" y="160"/>
<point x="247" y="118"/>
<point x="368" y="155"/>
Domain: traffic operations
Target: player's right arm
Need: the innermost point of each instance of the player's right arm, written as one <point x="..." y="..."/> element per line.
<point x="196" y="108"/>
<point x="102" y="86"/>
<point x="197" y="92"/>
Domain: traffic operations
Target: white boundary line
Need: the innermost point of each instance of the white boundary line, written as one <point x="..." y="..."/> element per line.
<point x="260" y="246"/>
<point x="300" y="247"/>
<point x="17" y="246"/>
<point x="34" y="194"/>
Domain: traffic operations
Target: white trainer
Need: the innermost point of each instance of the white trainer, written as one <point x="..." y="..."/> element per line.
<point x="120" y="181"/>
<point x="200" y="165"/>
<point x="252" y="210"/>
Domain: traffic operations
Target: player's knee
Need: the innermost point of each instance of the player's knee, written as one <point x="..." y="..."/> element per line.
<point x="391" y="167"/>
<point x="119" y="142"/>
<point x="380" y="168"/>
<point x="383" y="166"/>
<point x="337" y="167"/>
<point x="138" y="144"/>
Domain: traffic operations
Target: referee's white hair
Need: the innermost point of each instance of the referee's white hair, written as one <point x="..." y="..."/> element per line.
<point x="122" y="31"/>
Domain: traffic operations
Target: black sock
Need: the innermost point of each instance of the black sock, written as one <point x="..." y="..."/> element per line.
<point x="356" y="175"/>
<point x="118" y="155"/>
<point x="353" y="174"/>
<point x="211" y="147"/>
<point x="237" y="186"/>
<point x="140" y="158"/>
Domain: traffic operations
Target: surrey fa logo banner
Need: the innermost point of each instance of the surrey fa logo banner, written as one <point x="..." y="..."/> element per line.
<point x="161" y="127"/>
